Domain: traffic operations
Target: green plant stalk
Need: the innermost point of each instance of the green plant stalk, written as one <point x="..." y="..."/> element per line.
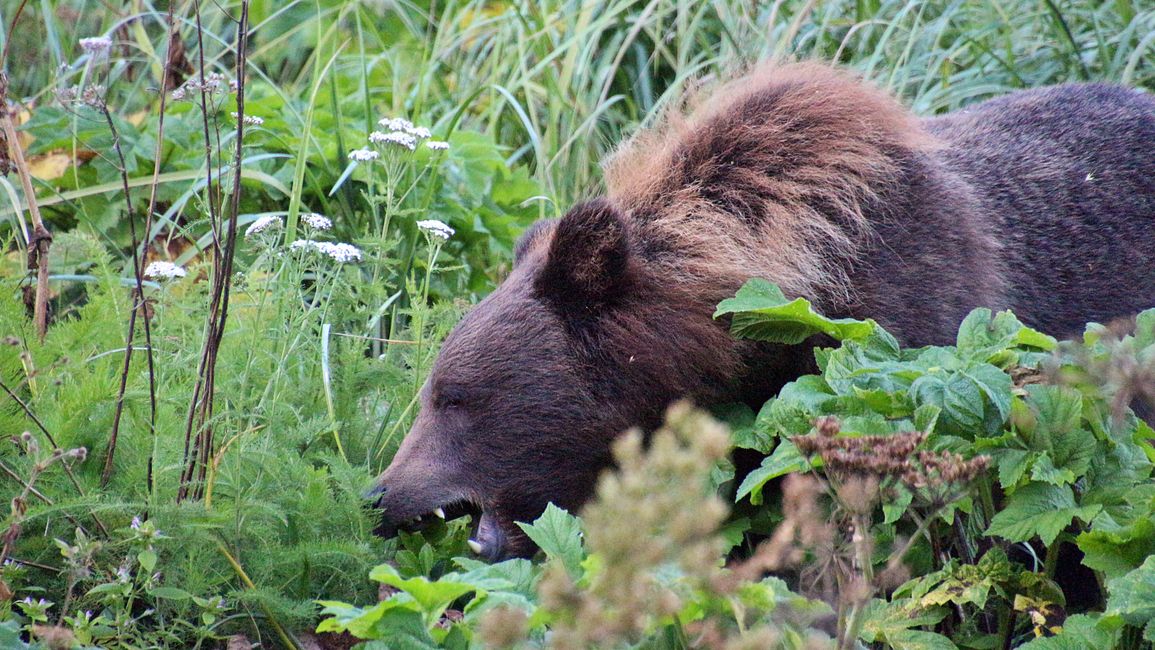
<point x="248" y="582"/>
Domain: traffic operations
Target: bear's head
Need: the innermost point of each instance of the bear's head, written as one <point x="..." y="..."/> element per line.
<point x="583" y="340"/>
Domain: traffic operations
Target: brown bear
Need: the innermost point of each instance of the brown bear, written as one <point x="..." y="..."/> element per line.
<point x="1042" y="201"/>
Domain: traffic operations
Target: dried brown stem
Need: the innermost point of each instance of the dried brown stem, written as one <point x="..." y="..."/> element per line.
<point x="199" y="447"/>
<point x="40" y="240"/>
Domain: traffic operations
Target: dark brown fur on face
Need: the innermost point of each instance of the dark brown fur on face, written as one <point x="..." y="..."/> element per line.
<point x="1042" y="201"/>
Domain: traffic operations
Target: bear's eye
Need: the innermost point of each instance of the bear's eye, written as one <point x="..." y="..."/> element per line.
<point x="450" y="397"/>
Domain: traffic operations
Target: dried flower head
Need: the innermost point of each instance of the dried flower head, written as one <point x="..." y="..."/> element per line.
<point x="268" y="222"/>
<point x="316" y="221"/>
<point x="161" y="270"/>
<point x="363" y="155"/>
<point x="96" y="45"/>
<point x="435" y="228"/>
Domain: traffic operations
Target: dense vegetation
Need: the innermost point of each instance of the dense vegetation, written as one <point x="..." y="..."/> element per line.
<point x="188" y="444"/>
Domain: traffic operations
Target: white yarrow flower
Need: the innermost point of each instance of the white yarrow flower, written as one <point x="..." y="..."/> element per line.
<point x="164" y="271"/>
<point x="437" y="145"/>
<point x="435" y="228"/>
<point x="395" y="124"/>
<point x="250" y="120"/>
<point x="316" y="221"/>
<point x="96" y="44"/>
<point x="363" y="155"/>
<point x="262" y="224"/>
<point x="419" y="132"/>
<point x="339" y="252"/>
<point x="399" y="138"/>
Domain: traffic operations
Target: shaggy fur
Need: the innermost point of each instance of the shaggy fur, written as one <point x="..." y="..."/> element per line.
<point x="1042" y="201"/>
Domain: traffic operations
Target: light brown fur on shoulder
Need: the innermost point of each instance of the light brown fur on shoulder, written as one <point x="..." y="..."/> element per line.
<point x="796" y="153"/>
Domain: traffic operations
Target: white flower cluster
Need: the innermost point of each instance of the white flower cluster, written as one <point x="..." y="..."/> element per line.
<point x="211" y="83"/>
<point x="399" y="138"/>
<point x="435" y="228"/>
<point x="95" y="45"/>
<point x="161" y="270"/>
<point x="267" y="222"/>
<point x="363" y="155"/>
<point x="401" y="132"/>
<point x="250" y="120"/>
<point x="316" y="221"/>
<point x="339" y="252"/>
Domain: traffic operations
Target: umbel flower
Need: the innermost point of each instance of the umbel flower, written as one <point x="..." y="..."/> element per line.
<point x="161" y="270"/>
<point x="363" y="155"/>
<point x="316" y="221"/>
<point x="339" y="252"/>
<point x="435" y="228"/>
<point x="268" y="222"/>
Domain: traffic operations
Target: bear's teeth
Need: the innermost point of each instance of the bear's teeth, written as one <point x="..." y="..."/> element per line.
<point x="439" y="512"/>
<point x="474" y="546"/>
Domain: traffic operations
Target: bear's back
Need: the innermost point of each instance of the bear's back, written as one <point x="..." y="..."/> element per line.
<point x="1067" y="174"/>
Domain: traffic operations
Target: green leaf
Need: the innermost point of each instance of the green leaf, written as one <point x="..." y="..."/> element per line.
<point x="1080" y="632"/>
<point x="785" y="460"/>
<point x="169" y="593"/>
<point x="763" y="313"/>
<point x="1118" y="552"/>
<point x="892" y="623"/>
<point x="559" y="534"/>
<point x="433" y="597"/>
<point x="1132" y="595"/>
<point x="1039" y="509"/>
<point x="147" y="559"/>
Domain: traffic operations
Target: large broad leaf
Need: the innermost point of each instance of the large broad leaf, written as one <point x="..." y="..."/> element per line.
<point x="762" y="312"/>
<point x="893" y="623"/>
<point x="1119" y="551"/>
<point x="432" y="596"/>
<point x="1080" y="632"/>
<point x="1132" y="596"/>
<point x="983" y="335"/>
<point x="559" y="534"/>
<point x="1039" y="509"/>
<point x="1059" y="429"/>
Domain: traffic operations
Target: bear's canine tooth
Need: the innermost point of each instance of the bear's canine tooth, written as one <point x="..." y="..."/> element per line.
<point x="439" y="512"/>
<point x="474" y="546"/>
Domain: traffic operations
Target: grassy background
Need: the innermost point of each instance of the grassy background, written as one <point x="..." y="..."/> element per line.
<point x="531" y="96"/>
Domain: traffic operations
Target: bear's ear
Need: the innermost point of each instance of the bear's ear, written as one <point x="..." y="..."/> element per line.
<point x="588" y="259"/>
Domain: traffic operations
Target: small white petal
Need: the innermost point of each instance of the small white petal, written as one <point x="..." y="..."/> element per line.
<point x="474" y="546"/>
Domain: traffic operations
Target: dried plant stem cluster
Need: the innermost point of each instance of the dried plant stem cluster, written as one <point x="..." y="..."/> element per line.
<point x="829" y="513"/>
<point x="656" y="513"/>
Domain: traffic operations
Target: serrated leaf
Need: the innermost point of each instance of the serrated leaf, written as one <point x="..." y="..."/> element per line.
<point x="1079" y="632"/>
<point x="432" y="596"/>
<point x="1132" y="595"/>
<point x="559" y="534"/>
<point x="1039" y="509"/>
<point x="761" y="312"/>
<point x="1118" y="552"/>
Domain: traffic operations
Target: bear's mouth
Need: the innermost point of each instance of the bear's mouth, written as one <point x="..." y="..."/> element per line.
<point x="488" y="539"/>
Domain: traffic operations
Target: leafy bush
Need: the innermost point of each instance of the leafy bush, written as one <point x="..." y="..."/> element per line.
<point x="928" y="496"/>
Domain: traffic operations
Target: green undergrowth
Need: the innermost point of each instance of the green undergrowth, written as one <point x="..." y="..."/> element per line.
<point x="909" y="498"/>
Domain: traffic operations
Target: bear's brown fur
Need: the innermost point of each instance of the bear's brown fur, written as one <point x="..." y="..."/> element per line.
<point x="1042" y="201"/>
